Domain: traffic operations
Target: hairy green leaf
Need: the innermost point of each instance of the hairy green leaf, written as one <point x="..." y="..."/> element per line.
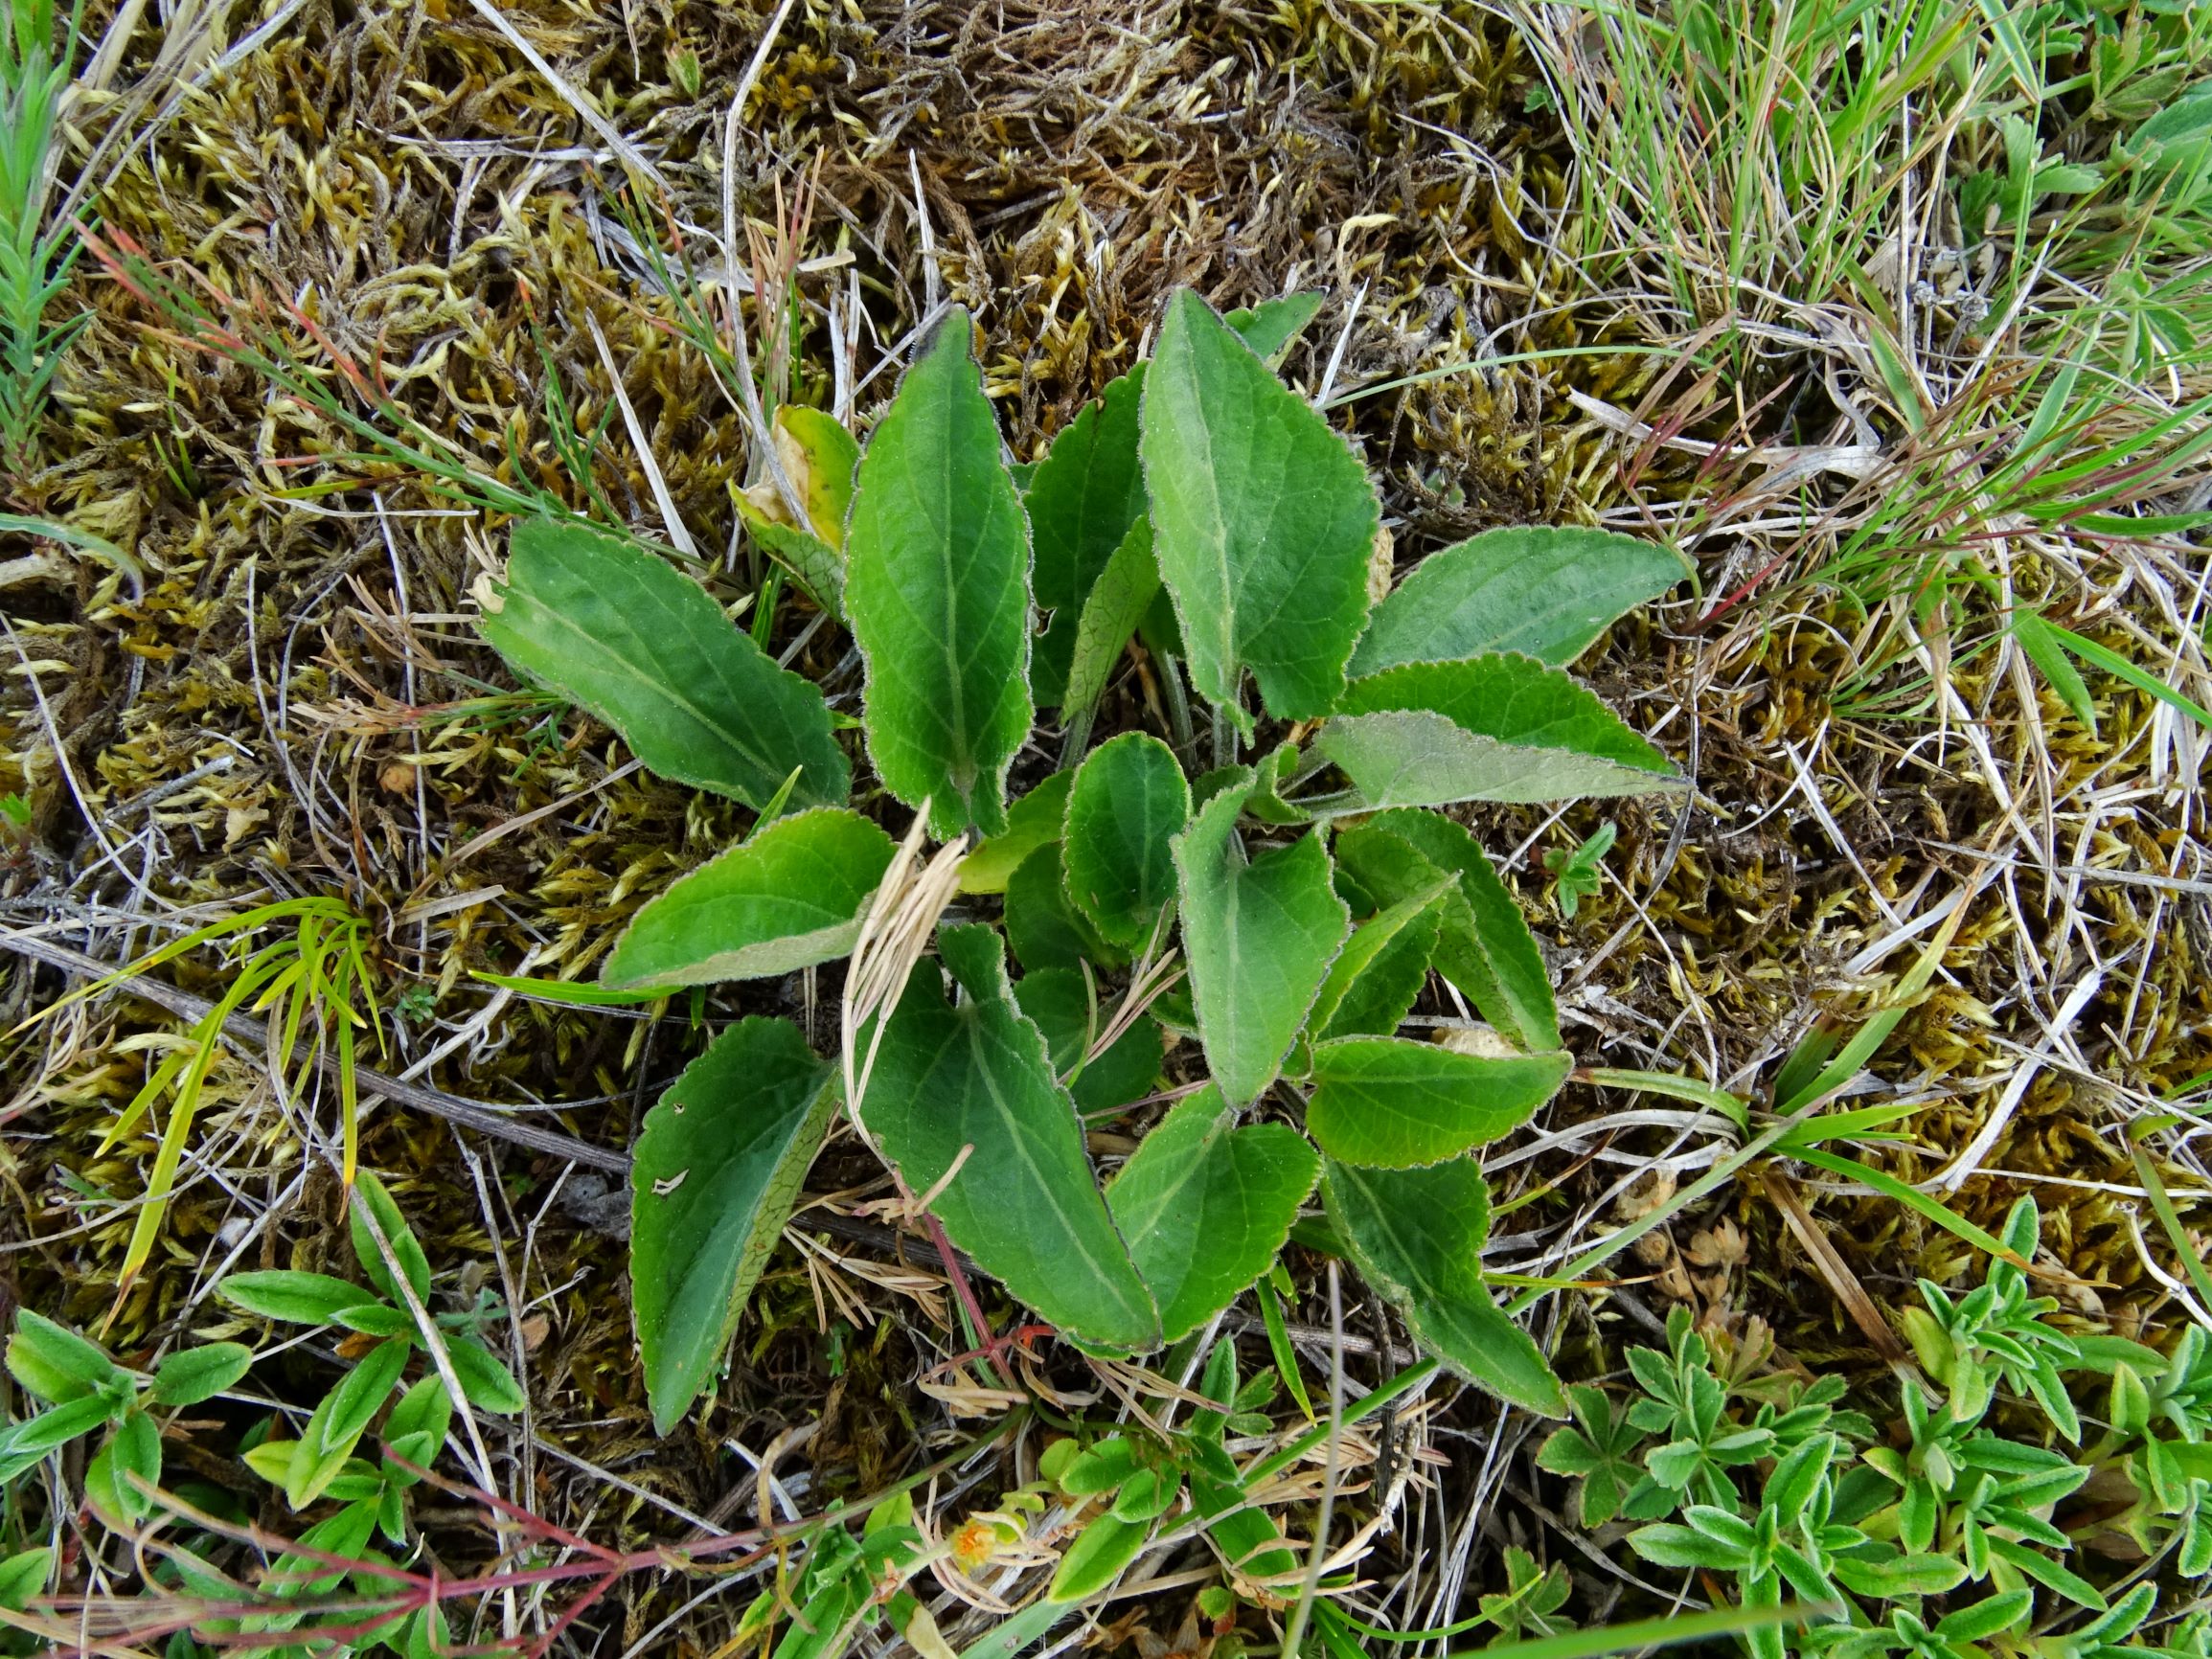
<point x="1417" y="758"/>
<point x="787" y="898"/>
<point x="714" y="1174"/>
<point x="1030" y="823"/>
<point x="1118" y="602"/>
<point x="1099" y="1555"/>
<point x="1543" y="590"/>
<point x="1085" y="495"/>
<point x="1393" y="1104"/>
<point x="1514" y="699"/>
<point x="937" y="590"/>
<point x="1060" y="1003"/>
<point x="1128" y="802"/>
<point x="1484" y="946"/>
<point x="1259" y="938"/>
<point x="1024" y="1202"/>
<point x="1042" y="924"/>
<point x="1205" y="1206"/>
<point x="1373" y="984"/>
<point x="1272" y="326"/>
<point x="1263" y="521"/>
<point x="642" y="646"/>
<point x="1417" y="1237"/>
<point x="818" y="568"/>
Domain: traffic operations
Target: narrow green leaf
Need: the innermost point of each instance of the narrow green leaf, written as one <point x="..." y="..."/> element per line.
<point x="1416" y="758"/>
<point x="1118" y="602"/>
<point x="1259" y="938"/>
<point x="1099" y="1555"/>
<point x="293" y="1297"/>
<point x="2114" y="663"/>
<point x="370" y="1200"/>
<point x="1484" y="945"/>
<point x="1546" y="591"/>
<point x="1514" y="699"/>
<point x="1128" y="801"/>
<point x="1087" y="494"/>
<point x="1205" y="1206"/>
<point x="714" y="1174"/>
<point x="787" y="898"/>
<point x="1264" y="521"/>
<point x="641" y="645"/>
<point x="361" y="1393"/>
<point x="484" y="1377"/>
<point x="1060" y="1001"/>
<point x="937" y="591"/>
<point x="1042" y="923"/>
<point x="1393" y="1104"/>
<point x="1417" y="1235"/>
<point x="1024" y="1202"/>
<point x="1374" y="982"/>
<point x="132" y="1449"/>
<point x="193" y="1374"/>
<point x="1030" y="823"/>
<point x="2043" y="650"/>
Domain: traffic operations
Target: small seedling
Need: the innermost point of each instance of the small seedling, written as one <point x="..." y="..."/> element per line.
<point x="1579" y="871"/>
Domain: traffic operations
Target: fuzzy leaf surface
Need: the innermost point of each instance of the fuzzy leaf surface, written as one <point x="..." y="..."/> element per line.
<point x="1263" y="521"/>
<point x="1394" y="1104"/>
<point x="1373" y="984"/>
<point x="1086" y="493"/>
<point x="1060" y="1002"/>
<point x="1484" y="945"/>
<point x="787" y="898"/>
<point x="1272" y="326"/>
<point x="1420" y="758"/>
<point x="1118" y="602"/>
<point x="1417" y="1235"/>
<point x="1258" y="936"/>
<point x="1544" y="590"/>
<point x="1025" y="1203"/>
<point x="716" y="1172"/>
<point x="1205" y="1206"/>
<point x="1127" y="804"/>
<point x="1514" y="699"/>
<point x="645" y="649"/>
<point x="1042" y="923"/>
<point x="1032" y="821"/>
<point x="937" y="591"/>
